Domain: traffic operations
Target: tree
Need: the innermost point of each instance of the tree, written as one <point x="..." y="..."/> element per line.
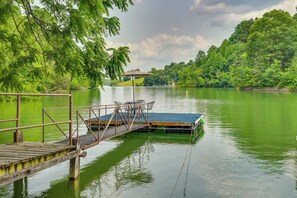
<point x="242" y="31"/>
<point x="272" y="37"/>
<point x="200" y="57"/>
<point x="47" y="37"/>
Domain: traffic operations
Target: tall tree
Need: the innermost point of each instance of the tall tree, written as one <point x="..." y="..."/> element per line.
<point x="272" y="38"/>
<point x="63" y="37"/>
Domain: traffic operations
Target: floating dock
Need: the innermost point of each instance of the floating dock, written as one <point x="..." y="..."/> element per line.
<point x="170" y="122"/>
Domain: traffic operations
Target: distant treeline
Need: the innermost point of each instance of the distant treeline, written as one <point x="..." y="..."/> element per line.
<point x="261" y="53"/>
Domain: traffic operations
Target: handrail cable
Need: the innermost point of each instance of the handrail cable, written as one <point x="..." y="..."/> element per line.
<point x="180" y="172"/>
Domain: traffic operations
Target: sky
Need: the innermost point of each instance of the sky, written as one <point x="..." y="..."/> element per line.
<point x="159" y="32"/>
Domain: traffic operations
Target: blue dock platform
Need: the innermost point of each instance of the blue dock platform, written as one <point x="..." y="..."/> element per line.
<point x="170" y="122"/>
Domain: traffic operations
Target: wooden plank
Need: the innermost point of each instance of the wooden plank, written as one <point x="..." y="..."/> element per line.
<point x="28" y="151"/>
<point x="32" y="149"/>
<point x="14" y="159"/>
<point x="88" y="141"/>
<point x="28" y="171"/>
<point x="22" y="152"/>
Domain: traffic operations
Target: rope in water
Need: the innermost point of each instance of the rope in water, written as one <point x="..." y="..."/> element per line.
<point x="180" y="172"/>
<point x="188" y="167"/>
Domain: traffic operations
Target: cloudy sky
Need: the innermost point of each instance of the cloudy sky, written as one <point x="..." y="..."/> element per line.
<point x="159" y="32"/>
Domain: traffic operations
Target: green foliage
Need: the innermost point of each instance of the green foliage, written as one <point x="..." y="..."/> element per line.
<point x="158" y="78"/>
<point x="242" y="32"/>
<point x="261" y="53"/>
<point x="45" y="39"/>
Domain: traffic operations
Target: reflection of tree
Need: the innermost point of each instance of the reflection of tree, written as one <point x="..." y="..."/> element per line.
<point x="132" y="171"/>
<point x="18" y="189"/>
<point x="129" y="173"/>
<point x="122" y="168"/>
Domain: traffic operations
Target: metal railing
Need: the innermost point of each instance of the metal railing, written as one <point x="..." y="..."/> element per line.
<point x="18" y="126"/>
<point x="105" y="115"/>
<point x="102" y="115"/>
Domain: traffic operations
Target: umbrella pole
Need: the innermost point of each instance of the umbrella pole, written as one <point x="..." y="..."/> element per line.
<point x="133" y="88"/>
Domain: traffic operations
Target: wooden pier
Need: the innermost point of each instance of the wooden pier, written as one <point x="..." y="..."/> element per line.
<point x="20" y="159"/>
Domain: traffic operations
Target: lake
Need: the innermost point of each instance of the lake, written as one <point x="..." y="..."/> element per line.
<point x="249" y="148"/>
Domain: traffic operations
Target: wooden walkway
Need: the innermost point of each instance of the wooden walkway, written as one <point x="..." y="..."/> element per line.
<point x="92" y="138"/>
<point x="88" y="140"/>
<point x="20" y="159"/>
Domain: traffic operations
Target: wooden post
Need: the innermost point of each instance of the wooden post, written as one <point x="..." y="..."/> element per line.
<point x="77" y="125"/>
<point x="74" y="186"/>
<point x="17" y="138"/>
<point x="90" y="115"/>
<point x="18" y="188"/>
<point x="74" y="166"/>
<point x="115" y="128"/>
<point x="43" y="128"/>
<point x="99" y="123"/>
<point x="70" y="119"/>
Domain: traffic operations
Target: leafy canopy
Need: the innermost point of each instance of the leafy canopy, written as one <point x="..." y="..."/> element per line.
<point x="45" y="38"/>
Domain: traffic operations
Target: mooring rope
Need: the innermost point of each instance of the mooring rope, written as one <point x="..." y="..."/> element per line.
<point x="188" y="167"/>
<point x="180" y="172"/>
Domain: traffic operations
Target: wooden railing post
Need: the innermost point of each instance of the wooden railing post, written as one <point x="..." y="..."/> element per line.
<point x="90" y="115"/>
<point x="99" y="115"/>
<point x="74" y="165"/>
<point x="18" y="120"/>
<point x="116" y="115"/>
<point x="70" y="119"/>
<point x="77" y="125"/>
<point x="43" y="128"/>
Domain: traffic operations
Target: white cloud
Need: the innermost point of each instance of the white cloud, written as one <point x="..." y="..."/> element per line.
<point x="287" y="5"/>
<point x="174" y="29"/>
<point x="163" y="49"/>
<point x="222" y="14"/>
<point x="195" y="5"/>
<point x="202" y="8"/>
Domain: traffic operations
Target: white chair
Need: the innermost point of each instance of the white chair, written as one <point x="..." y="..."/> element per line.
<point x="149" y="108"/>
<point x="141" y="103"/>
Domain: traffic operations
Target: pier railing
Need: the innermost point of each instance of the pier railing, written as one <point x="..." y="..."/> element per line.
<point x="17" y="120"/>
<point x="107" y="117"/>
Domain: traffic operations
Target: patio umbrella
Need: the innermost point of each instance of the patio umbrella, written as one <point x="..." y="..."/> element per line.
<point x="134" y="73"/>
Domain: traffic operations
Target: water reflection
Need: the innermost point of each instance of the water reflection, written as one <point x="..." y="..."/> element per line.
<point x="124" y="167"/>
<point x="249" y="148"/>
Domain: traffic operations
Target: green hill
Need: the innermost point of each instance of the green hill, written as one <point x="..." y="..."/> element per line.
<point x="261" y="53"/>
<point x="137" y="82"/>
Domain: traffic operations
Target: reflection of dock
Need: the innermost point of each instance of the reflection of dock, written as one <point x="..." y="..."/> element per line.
<point x="129" y="158"/>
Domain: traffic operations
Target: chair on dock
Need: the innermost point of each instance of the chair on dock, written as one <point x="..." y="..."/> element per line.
<point x="149" y="108"/>
<point x="130" y="108"/>
<point x="141" y="103"/>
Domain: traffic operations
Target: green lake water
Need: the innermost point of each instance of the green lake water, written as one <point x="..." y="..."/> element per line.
<point x="249" y="148"/>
